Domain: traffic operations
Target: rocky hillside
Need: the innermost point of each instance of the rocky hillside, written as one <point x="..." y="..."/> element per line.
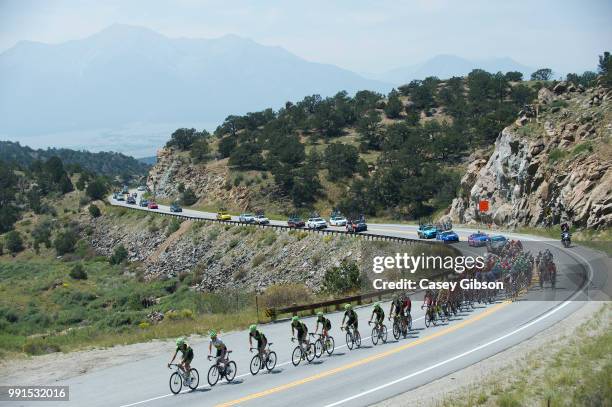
<point x="553" y="164"/>
<point x="219" y="256"/>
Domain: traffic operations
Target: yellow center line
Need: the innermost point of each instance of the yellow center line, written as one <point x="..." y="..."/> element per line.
<point x="368" y="359"/>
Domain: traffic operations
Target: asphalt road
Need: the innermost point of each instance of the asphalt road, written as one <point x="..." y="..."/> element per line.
<point x="371" y="373"/>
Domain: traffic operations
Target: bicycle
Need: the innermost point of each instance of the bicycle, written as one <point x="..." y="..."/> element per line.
<point x="299" y="353"/>
<point x="328" y="345"/>
<point x="379" y="332"/>
<point x="178" y="377"/>
<point x="352" y="339"/>
<point x="269" y="361"/>
<point x="216" y="371"/>
<point x="400" y="327"/>
<point x="430" y="316"/>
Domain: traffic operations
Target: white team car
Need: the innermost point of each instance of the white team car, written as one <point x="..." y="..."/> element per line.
<point x="316" y="223"/>
<point x="261" y="220"/>
<point x="246" y="218"/>
<point x="337" y="220"/>
<point x="142" y="188"/>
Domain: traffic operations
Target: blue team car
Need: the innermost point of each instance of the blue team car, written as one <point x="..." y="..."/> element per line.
<point x="478" y="239"/>
<point x="448" y="236"/>
<point x="427" y="232"/>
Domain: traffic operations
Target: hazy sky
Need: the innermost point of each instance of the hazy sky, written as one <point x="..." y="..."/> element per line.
<point x="364" y="36"/>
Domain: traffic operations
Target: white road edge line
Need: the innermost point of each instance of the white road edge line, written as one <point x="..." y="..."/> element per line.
<point x="476" y="349"/>
<point x="242" y="375"/>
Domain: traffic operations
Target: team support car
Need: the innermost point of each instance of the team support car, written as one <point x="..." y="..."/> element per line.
<point x="448" y="236"/>
<point x="427" y="231"/>
<point x="316" y="223"/>
<point x="223" y="215"/>
<point x="175" y="208"/>
<point x="121" y="197"/>
<point x="295" y="222"/>
<point x="356" y="225"/>
<point x="261" y="219"/>
<point x="144" y="203"/>
<point x="246" y="217"/>
<point x="142" y="188"/>
<point x="125" y="189"/>
<point x="496" y="243"/>
<point x="152" y="205"/>
<point x="131" y="200"/>
<point x="337" y="220"/>
<point x="478" y="239"/>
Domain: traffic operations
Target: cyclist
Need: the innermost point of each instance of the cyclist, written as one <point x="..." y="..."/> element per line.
<point x="261" y="339"/>
<point x="186" y="357"/>
<point x="379" y="313"/>
<point x="325" y="324"/>
<point x="429" y="302"/>
<point x="301" y="329"/>
<point x="396" y="308"/>
<point x="407" y="308"/>
<point x="351" y="318"/>
<point x="219" y="345"/>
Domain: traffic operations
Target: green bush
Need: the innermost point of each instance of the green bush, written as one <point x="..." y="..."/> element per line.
<point x="233" y="243"/>
<point x="40" y="346"/>
<point x="258" y="259"/>
<point x="119" y="255"/>
<point x="556" y="155"/>
<point x="173" y="226"/>
<point x="65" y="242"/>
<point x="280" y="295"/>
<point x="94" y="211"/>
<point x="13" y="242"/>
<point x="78" y="272"/>
<point x="189" y="197"/>
<point x="341" y="279"/>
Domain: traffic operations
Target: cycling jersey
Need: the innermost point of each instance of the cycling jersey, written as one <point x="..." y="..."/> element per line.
<point x="187" y="353"/>
<point x="351" y="315"/>
<point x="217" y="343"/>
<point x="407" y="305"/>
<point x="380" y="314"/>
<point x="397" y="307"/>
<point x="300" y="327"/>
<point x="326" y="323"/>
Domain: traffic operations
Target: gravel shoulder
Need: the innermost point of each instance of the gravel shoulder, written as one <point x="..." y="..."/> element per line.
<point x="467" y="380"/>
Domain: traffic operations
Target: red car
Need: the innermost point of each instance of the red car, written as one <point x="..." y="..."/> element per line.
<point x="152" y="205"/>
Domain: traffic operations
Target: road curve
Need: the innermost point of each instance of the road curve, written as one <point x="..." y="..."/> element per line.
<point x="366" y="375"/>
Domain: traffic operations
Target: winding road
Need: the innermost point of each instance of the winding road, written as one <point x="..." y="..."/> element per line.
<point x="363" y="376"/>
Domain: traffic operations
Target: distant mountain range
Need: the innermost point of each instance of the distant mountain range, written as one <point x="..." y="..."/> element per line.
<point x="446" y="66"/>
<point x="126" y="74"/>
<point x="104" y="163"/>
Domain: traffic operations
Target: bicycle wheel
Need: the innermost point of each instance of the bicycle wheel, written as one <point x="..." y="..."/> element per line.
<point x="271" y="362"/>
<point x="213" y="375"/>
<point x="330" y="345"/>
<point x="409" y="322"/>
<point x="230" y="371"/>
<point x="396" y="330"/>
<point x="311" y="353"/>
<point x="194" y="379"/>
<point x="358" y="339"/>
<point x="375" y="336"/>
<point x="384" y="334"/>
<point x="427" y="320"/>
<point x="296" y="356"/>
<point x="255" y="365"/>
<point x="318" y="346"/>
<point x="349" y="341"/>
<point x="176" y="383"/>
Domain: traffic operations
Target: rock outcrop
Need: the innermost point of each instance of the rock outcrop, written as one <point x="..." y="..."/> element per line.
<point x="554" y="164"/>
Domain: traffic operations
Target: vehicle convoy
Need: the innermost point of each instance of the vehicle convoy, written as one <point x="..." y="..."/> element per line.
<point x="447" y="237"/>
<point x="478" y="239"/>
<point x="223" y="215"/>
<point x="427" y="231"/>
<point x="295" y="222"/>
<point x="316" y="223"/>
<point x="356" y="225"/>
<point x="175" y="208"/>
<point x="261" y="219"/>
<point x="246" y="217"/>
<point x="152" y="205"/>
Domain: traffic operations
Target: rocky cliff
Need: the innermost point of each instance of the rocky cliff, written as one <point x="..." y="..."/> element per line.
<point x="553" y="164"/>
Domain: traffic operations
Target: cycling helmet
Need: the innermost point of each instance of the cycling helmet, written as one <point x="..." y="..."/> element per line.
<point x="295" y="319"/>
<point x="377" y="305"/>
<point x="347" y="306"/>
<point x="252" y="328"/>
<point x="320" y="313"/>
<point x="212" y="333"/>
<point x="180" y="341"/>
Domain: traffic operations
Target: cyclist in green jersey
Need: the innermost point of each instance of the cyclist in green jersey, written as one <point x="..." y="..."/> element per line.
<point x="300" y="328"/>
<point x="379" y="314"/>
<point x="186" y="355"/>
<point x="261" y="339"/>
<point x="351" y="318"/>
<point x="325" y="324"/>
